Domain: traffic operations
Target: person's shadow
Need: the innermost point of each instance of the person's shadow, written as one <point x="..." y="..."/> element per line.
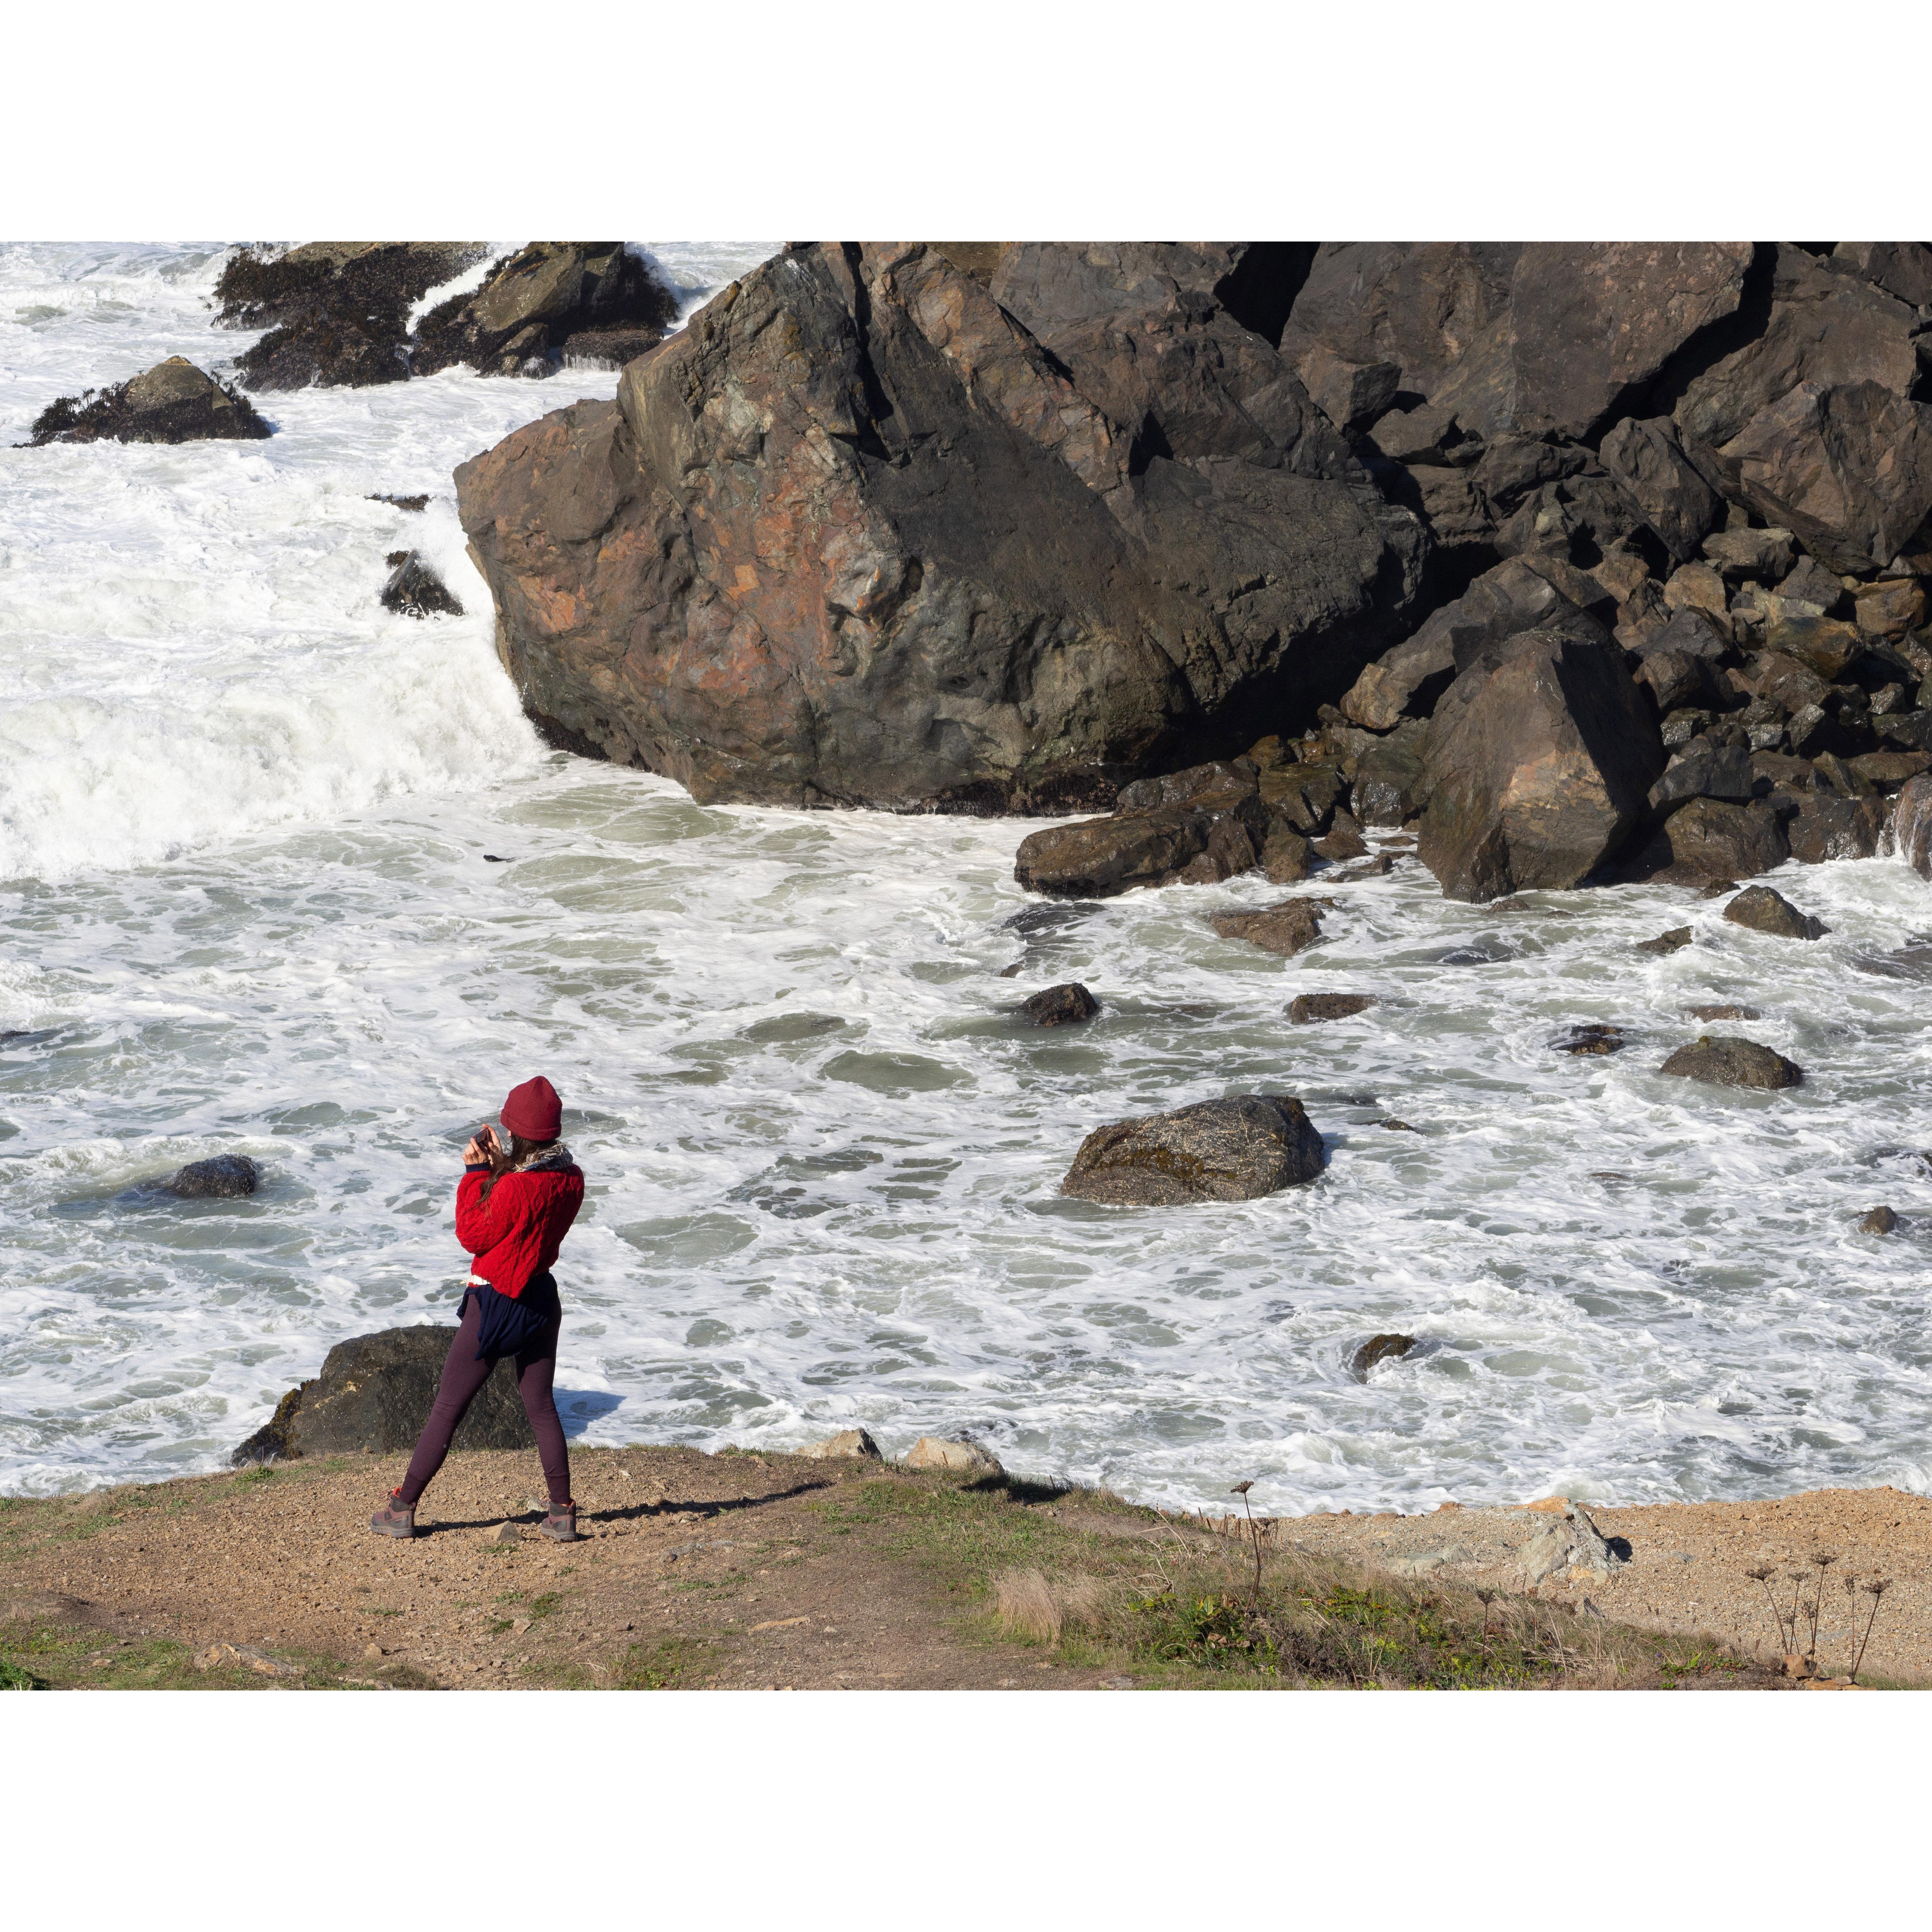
<point x="577" y="1409"/>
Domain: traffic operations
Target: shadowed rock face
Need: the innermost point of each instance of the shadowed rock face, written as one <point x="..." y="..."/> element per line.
<point x="1234" y="1150"/>
<point x="374" y="1393"/>
<point x="868" y="532"/>
<point x="1537" y="762"/>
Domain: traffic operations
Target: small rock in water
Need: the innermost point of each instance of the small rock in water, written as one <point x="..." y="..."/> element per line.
<point x="226" y="1177"/>
<point x="1379" y="1349"/>
<point x="1592" y="1038"/>
<point x="1718" y="889"/>
<point x="416" y="505"/>
<point x="494" y="859"/>
<point x="1059" y="1005"/>
<point x="1723" y="1013"/>
<point x="1344" y="839"/>
<point x="1720" y="1060"/>
<point x="1674" y="940"/>
<point x="1377" y="867"/>
<point x="1879" y="1221"/>
<point x="1398" y="1126"/>
<point x="415" y="590"/>
<point x="1284" y="927"/>
<point x="1238" y="1149"/>
<point x="1305" y="1009"/>
<point x="1764" y="911"/>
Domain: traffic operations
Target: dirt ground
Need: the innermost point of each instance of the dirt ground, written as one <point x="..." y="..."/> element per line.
<point x="1689" y="1564"/>
<point x="776" y="1572"/>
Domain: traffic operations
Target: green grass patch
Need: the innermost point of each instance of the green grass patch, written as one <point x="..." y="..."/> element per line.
<point x="670" y="1663"/>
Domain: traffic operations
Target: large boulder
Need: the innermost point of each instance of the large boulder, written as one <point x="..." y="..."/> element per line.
<point x="592" y="300"/>
<point x="1234" y="1149"/>
<point x="1536" y="764"/>
<point x="173" y="402"/>
<point x="1709" y="839"/>
<point x="337" y="312"/>
<point x="374" y="1393"/>
<point x="877" y="528"/>
<point x="1678" y="505"/>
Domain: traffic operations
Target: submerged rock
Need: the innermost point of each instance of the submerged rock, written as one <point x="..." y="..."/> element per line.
<point x="415" y="590"/>
<point x="1764" y="911"/>
<point x="1674" y="940"/>
<point x="1721" y="1060"/>
<point x="1307" y="1009"/>
<point x="1234" y="1150"/>
<point x="228" y="1177"/>
<point x="374" y="1393"/>
<point x="1879" y="1221"/>
<point x="1059" y="1005"/>
<point x="173" y="402"/>
<point x="1379" y="1349"/>
<point x="1592" y="1037"/>
<point x="1724" y="1012"/>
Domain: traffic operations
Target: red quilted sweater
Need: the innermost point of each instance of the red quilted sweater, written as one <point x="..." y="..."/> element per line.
<point x="517" y="1232"/>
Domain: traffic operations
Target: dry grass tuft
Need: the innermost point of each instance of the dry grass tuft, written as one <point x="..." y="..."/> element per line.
<point x="1029" y="1606"/>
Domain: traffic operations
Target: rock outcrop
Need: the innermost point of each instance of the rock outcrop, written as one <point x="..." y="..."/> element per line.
<point x="872" y="529"/>
<point x="849" y="1445"/>
<point x="374" y="1393"/>
<point x="940" y="1452"/>
<point x="1236" y="1149"/>
<point x="173" y="402"/>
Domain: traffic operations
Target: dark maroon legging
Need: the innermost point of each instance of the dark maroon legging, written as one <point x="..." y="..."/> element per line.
<point x="462" y="1376"/>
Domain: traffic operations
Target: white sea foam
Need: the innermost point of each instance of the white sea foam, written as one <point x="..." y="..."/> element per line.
<point x="244" y="813"/>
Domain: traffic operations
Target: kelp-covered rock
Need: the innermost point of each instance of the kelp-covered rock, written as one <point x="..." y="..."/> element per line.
<point x="415" y="590"/>
<point x="1234" y="1149"/>
<point x="870" y="530"/>
<point x="173" y="402"/>
<point x="337" y="312"/>
<point x="539" y="301"/>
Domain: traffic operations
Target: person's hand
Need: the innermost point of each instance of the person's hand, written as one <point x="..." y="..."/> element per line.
<point x="482" y="1149"/>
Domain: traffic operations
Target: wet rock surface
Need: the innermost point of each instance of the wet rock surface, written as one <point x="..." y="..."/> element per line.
<point x="1065" y="1005"/>
<point x="228" y="1177"/>
<point x="414" y="590"/>
<point x="1724" y="1059"/>
<point x="1379" y="1349"/>
<point x="1309" y="1008"/>
<point x="1762" y="910"/>
<point x="1233" y="1150"/>
<point x="1285" y="928"/>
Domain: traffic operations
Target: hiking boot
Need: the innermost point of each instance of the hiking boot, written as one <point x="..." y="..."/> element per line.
<point x="394" y="1519"/>
<point x="560" y="1525"/>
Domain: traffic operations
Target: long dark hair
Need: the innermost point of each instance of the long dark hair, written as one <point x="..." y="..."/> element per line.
<point x="501" y="1163"/>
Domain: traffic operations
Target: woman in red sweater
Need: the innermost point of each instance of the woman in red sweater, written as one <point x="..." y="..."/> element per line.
<point x="514" y="1206"/>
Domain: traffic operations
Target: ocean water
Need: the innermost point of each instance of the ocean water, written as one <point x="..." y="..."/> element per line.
<point x="245" y="906"/>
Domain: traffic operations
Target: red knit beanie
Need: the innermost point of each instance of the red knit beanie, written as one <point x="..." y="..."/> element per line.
<point x="534" y="1111"/>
